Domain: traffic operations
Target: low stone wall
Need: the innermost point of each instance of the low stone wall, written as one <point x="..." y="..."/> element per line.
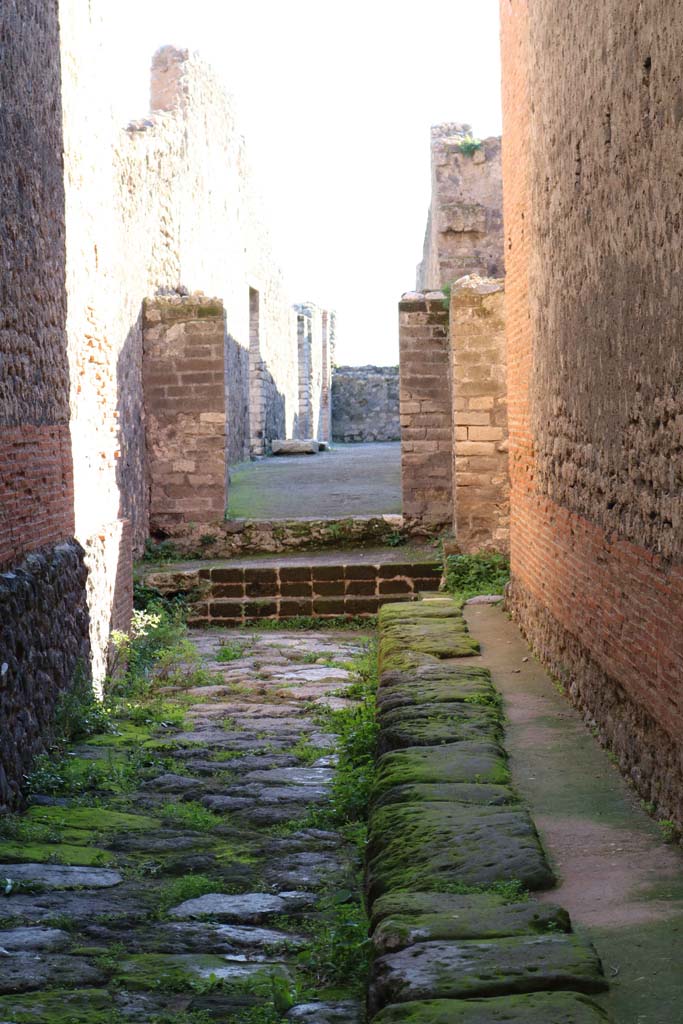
<point x="448" y="841"/>
<point x="43" y="639"/>
<point x="226" y="539"/>
<point x="365" y="403"/>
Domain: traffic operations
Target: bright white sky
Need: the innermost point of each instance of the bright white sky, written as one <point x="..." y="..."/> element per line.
<point x="336" y="101"/>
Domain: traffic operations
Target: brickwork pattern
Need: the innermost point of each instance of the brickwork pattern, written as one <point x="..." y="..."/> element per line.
<point x="604" y="609"/>
<point x="481" y="494"/>
<point x="235" y="595"/>
<point x="365" y="403"/>
<point x="464" y="232"/>
<point x="425" y="409"/>
<point x="184" y="367"/>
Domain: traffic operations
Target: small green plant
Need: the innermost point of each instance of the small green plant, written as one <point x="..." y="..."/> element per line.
<point x="296" y="622"/>
<point x="470" y="575"/>
<point x="186" y="887"/>
<point x="469" y="145"/>
<point x="395" y="539"/>
<point x="338" y="950"/>
<point x="190" y="815"/>
<point x="163" y="551"/>
<point x="305" y="751"/>
<point x="230" y="652"/>
<point x="669" y="830"/>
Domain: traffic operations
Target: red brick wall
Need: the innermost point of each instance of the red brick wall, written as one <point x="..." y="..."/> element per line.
<point x="425" y="409"/>
<point x="36" y="489"/>
<point x="604" y="611"/>
<point x="184" y="382"/>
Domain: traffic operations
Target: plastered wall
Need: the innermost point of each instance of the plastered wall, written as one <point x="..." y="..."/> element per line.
<point x="592" y="165"/>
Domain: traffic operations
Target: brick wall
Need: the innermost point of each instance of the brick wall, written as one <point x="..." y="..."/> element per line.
<point x="481" y="495"/>
<point x="425" y="409"/>
<point x="464" y="232"/>
<point x="595" y="376"/>
<point x="184" y="374"/>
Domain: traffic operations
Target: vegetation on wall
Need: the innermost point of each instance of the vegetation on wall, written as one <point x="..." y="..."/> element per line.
<point x="471" y="575"/>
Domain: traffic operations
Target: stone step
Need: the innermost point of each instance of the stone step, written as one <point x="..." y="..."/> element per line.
<point x="225" y="593"/>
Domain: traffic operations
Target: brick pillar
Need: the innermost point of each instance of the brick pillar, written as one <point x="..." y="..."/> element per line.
<point x="425" y="406"/>
<point x="186" y="429"/>
<point x="478" y="380"/>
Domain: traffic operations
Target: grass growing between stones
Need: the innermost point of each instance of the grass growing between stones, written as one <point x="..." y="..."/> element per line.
<point x="473" y="575"/>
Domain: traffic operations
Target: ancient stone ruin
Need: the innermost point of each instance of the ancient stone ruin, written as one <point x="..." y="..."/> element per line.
<point x="333" y="737"/>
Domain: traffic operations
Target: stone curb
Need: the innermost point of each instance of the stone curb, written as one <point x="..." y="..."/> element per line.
<point x="451" y="850"/>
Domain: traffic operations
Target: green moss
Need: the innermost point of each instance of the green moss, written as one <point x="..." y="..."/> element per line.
<point x="126" y="734"/>
<point x="58" y="1006"/>
<point x="95" y="819"/>
<point x="54" y="853"/>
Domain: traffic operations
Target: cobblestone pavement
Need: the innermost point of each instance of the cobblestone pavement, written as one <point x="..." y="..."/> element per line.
<point x="203" y="892"/>
<point x="348" y="480"/>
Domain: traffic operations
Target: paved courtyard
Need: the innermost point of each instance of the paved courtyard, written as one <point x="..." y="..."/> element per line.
<point x="348" y="480"/>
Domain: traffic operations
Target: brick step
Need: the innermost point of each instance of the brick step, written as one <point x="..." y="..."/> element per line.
<point x="232" y="594"/>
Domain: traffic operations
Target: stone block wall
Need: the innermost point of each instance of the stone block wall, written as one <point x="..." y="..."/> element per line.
<point x="315" y="339"/>
<point x="596" y="367"/>
<point x="44" y="642"/>
<point x="464" y="232"/>
<point x="365" y="403"/>
<point x="481" y="494"/>
<point x="425" y="410"/>
<point x="185" y="400"/>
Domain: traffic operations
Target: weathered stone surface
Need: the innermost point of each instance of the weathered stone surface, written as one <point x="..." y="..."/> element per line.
<point x="537" y="1008"/>
<point x="437" y="637"/>
<point x="18" y="940"/>
<point x="21" y="973"/>
<point x="470" y="761"/>
<point x="434" y="684"/>
<point x="432" y="724"/>
<point x="430" y="846"/>
<point x="58" y="876"/>
<point x="250" y="908"/>
<point x="470" y="970"/>
<point x="119" y="902"/>
<point x="482" y="793"/>
<point x="44" y="629"/>
<point x="294" y="447"/>
<point x="474" y="918"/>
<point x="365" y="403"/>
<point x="326" y="1013"/>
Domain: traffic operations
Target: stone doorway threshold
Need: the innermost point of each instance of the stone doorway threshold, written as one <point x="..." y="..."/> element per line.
<point x="622" y="885"/>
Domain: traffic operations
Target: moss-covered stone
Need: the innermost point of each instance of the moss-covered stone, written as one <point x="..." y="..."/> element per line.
<point x="470" y="761"/>
<point x="438" y="637"/>
<point x="437" y="846"/>
<point x="58" y="1006"/>
<point x="470" y="920"/>
<point x="94" y="819"/>
<point x="434" y="608"/>
<point x="433" y="724"/>
<point x="539" y="1008"/>
<point x="436" y="684"/>
<point x="496" y="967"/>
<point x="126" y="734"/>
<point x="55" y="853"/>
<point x="483" y="794"/>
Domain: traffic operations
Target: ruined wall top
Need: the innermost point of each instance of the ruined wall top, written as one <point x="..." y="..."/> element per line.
<point x="464" y="232"/>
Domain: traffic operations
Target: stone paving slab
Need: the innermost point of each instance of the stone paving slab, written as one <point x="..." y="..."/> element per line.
<point x="480" y="969"/>
<point x="96" y="943"/>
<point x="450" y="851"/>
<point x="469" y="921"/>
<point x="434" y="846"/>
<point x="540" y="1008"/>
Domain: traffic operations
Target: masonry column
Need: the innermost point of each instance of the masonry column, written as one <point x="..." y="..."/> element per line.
<point x="186" y="427"/>
<point x="425" y="408"/>
<point x="481" y="495"/>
